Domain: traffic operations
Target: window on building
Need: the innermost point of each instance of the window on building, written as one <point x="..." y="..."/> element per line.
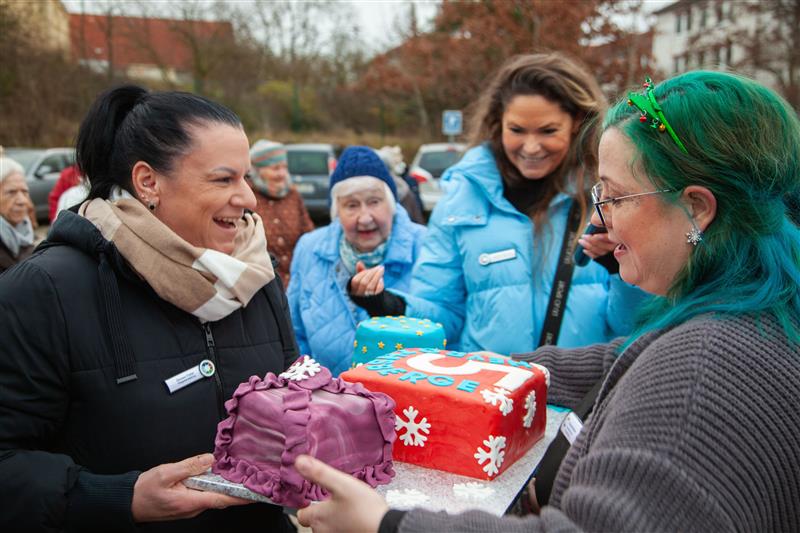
<point x="729" y="54"/>
<point x="717" y="55"/>
<point x="676" y="65"/>
<point x="701" y="58"/>
<point x="678" y="17"/>
<point x="731" y="11"/>
<point x="689" y="18"/>
<point x="703" y="16"/>
<point x="720" y="12"/>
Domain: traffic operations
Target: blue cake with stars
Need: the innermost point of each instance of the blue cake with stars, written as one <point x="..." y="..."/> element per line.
<point x="378" y="336"/>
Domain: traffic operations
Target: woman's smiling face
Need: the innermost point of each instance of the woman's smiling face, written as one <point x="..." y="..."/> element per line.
<point x="537" y="134"/>
<point x="204" y="197"/>
<point x="648" y="230"/>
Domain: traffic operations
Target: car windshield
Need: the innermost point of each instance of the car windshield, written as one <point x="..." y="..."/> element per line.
<point x="26" y="158"/>
<point x="307" y="162"/>
<point x="437" y="162"/>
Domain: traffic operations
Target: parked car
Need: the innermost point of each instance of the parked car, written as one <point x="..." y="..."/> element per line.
<point x="42" y="167"/>
<point x="310" y="166"/>
<point x="427" y="168"/>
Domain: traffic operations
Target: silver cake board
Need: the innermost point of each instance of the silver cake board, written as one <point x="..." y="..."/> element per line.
<point x="435" y="490"/>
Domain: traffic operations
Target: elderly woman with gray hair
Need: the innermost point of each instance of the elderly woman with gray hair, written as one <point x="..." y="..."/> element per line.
<point x="368" y="229"/>
<point x="278" y="203"/>
<point x="16" y="230"/>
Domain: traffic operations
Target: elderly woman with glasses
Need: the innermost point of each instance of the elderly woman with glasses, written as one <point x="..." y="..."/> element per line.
<point x="697" y="424"/>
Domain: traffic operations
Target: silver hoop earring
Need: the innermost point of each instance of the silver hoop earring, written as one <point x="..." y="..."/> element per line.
<point x="694" y="236"/>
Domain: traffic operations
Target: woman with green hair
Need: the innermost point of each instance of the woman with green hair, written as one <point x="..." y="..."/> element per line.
<point x="696" y="426"/>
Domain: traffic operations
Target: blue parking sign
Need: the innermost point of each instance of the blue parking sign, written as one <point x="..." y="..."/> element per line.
<point x="451" y="122"/>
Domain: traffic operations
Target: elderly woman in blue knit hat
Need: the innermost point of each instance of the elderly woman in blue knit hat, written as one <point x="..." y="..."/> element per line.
<point x="278" y="203"/>
<point x="368" y="228"/>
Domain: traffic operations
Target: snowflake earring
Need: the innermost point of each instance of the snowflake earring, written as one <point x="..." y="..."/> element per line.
<point x="694" y="236"/>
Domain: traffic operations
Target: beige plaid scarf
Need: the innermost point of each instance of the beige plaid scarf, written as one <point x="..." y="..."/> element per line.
<point x="206" y="283"/>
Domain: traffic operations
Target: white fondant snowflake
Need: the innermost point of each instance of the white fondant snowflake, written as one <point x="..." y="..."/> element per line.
<point x="405" y="498"/>
<point x="472" y="490"/>
<point x="413" y="435"/>
<point x="499" y="396"/>
<point x="493" y="456"/>
<point x="303" y="369"/>
<point x="546" y="373"/>
<point x="530" y="406"/>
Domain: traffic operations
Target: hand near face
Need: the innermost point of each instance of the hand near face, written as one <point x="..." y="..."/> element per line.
<point x="159" y="493"/>
<point x="596" y="245"/>
<point x="353" y="506"/>
<point x="367" y="281"/>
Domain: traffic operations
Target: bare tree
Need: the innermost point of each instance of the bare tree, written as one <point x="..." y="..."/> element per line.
<point x="774" y="46"/>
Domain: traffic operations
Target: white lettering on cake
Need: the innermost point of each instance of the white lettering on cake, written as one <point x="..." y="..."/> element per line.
<point x="513" y="379"/>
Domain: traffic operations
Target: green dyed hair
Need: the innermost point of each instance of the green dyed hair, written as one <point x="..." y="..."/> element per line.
<point x="743" y="144"/>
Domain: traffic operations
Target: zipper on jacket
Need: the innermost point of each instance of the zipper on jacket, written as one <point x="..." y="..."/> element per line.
<point x="212" y="356"/>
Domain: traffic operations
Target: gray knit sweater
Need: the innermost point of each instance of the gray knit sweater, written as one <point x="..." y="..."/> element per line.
<point x="695" y="429"/>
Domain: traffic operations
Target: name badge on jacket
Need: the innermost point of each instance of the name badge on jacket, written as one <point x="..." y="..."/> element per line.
<point x="496" y="257"/>
<point x="571" y="427"/>
<point x="205" y="369"/>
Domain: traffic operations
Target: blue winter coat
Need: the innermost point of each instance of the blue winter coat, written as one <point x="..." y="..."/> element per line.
<point x="498" y="302"/>
<point x="324" y="317"/>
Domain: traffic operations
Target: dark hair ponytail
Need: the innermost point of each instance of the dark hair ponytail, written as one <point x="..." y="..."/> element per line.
<point x="129" y="124"/>
<point x="96" y="136"/>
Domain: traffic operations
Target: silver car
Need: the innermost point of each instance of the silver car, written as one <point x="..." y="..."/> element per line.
<point x="310" y="166"/>
<point x="428" y="166"/>
<point x="42" y="168"/>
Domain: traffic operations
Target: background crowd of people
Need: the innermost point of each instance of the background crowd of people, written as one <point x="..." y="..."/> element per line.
<point x="193" y="246"/>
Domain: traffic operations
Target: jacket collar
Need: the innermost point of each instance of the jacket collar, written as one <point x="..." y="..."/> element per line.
<point x="401" y="240"/>
<point x="478" y="166"/>
<point x="76" y="231"/>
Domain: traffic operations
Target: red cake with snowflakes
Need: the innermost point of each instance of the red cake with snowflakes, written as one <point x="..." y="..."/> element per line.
<point x="469" y="414"/>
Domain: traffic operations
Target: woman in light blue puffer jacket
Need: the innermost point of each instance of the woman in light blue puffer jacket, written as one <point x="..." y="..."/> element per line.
<point x="487" y="266"/>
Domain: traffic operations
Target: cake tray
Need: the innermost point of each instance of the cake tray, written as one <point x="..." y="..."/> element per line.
<point x="434" y="490"/>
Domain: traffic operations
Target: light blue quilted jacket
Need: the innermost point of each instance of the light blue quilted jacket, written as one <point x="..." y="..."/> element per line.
<point x="482" y="276"/>
<point x="324" y="317"/>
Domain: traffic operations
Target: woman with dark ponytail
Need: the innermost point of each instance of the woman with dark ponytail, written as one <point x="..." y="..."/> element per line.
<point x="163" y="269"/>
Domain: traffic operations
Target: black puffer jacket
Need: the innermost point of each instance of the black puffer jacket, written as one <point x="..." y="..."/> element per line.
<point x="75" y="321"/>
<point x="7" y="260"/>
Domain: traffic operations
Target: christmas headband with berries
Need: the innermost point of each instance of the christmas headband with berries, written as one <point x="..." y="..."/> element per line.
<point x="647" y="105"/>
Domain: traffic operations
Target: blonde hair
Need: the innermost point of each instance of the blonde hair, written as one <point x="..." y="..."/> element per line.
<point x="561" y="80"/>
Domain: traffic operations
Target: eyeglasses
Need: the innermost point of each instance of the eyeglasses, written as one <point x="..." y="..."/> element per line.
<point x="601" y="206"/>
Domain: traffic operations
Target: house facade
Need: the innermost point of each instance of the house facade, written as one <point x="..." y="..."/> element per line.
<point x="712" y="34"/>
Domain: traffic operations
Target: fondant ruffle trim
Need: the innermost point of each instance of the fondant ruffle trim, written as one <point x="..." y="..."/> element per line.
<point x="289" y="488"/>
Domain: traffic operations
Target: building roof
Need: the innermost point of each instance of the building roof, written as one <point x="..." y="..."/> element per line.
<point x="672" y="6"/>
<point x="136" y="40"/>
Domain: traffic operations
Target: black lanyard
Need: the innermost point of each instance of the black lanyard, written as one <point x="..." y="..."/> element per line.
<point x="562" y="280"/>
